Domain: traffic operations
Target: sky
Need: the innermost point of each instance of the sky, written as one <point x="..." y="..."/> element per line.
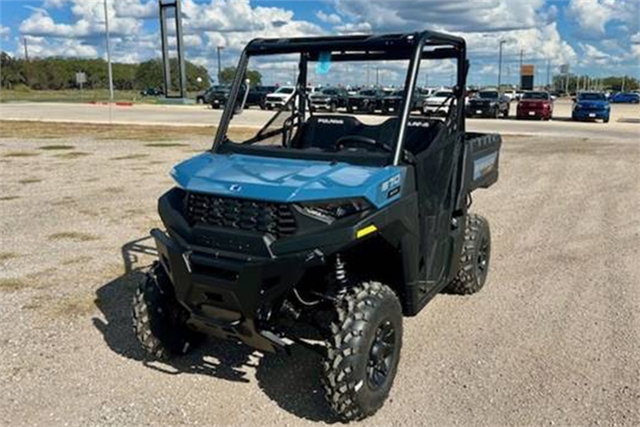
<point x="595" y="37"/>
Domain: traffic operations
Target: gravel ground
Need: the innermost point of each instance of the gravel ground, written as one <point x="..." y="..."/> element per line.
<point x="553" y="338"/>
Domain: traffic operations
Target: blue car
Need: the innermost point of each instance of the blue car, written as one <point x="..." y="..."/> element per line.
<point x="591" y="106"/>
<point x="625" y="98"/>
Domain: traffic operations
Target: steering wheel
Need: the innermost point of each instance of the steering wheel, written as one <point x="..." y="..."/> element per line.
<point x="359" y="141"/>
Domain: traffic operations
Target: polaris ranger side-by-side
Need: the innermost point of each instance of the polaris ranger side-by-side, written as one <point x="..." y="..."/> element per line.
<point x="323" y="221"/>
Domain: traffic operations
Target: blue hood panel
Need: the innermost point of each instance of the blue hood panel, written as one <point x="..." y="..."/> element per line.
<point x="287" y="180"/>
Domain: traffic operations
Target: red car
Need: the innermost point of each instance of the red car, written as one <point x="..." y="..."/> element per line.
<point x="535" y="105"/>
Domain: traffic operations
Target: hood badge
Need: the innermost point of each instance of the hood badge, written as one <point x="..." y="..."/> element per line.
<point x="235" y="188"/>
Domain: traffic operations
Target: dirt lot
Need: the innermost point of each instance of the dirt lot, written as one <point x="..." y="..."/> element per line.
<point x="552" y="339"/>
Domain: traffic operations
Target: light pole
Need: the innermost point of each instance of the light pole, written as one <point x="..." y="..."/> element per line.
<point x="106" y="28"/>
<point x="500" y="64"/>
<point x="219" y="48"/>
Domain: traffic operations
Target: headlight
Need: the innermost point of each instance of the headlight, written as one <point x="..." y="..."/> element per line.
<point x="329" y="211"/>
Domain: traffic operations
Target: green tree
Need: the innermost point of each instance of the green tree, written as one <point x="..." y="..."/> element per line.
<point x="227" y="75"/>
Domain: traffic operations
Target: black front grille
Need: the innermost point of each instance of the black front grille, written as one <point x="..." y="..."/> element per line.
<point x="241" y="214"/>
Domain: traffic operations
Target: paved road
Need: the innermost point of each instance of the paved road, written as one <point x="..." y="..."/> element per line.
<point x="625" y="121"/>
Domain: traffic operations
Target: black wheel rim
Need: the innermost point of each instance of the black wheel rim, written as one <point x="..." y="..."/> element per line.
<point x="381" y="355"/>
<point x="483" y="259"/>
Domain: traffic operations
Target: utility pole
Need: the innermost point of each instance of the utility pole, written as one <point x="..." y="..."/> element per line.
<point x="548" y="74"/>
<point x="377" y="76"/>
<point x="106" y="28"/>
<point x="500" y="64"/>
<point x="521" y="63"/>
<point x="218" y="49"/>
<point x="624" y="78"/>
<point x="26" y="49"/>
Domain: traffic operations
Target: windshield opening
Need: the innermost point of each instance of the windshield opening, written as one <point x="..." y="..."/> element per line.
<point x="591" y="97"/>
<point x="536" y="95"/>
<point x="487" y="95"/>
<point x="337" y="107"/>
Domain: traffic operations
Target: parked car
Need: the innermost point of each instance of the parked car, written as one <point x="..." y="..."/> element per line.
<point x="152" y="91"/>
<point x="280" y="97"/>
<point x="392" y="103"/>
<point x="207" y="96"/>
<point x="438" y="103"/>
<point x="329" y="98"/>
<point x="488" y="103"/>
<point x="217" y="98"/>
<point x="512" y="95"/>
<point x="591" y="106"/>
<point x="366" y="100"/>
<point x="538" y="105"/>
<point x="257" y="96"/>
<point x="625" y="98"/>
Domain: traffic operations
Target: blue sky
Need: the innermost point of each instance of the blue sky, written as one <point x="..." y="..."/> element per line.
<point x="598" y="37"/>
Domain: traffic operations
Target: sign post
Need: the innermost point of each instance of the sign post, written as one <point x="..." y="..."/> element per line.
<point x="171" y="9"/>
<point x="527" y="73"/>
<point x="81" y="79"/>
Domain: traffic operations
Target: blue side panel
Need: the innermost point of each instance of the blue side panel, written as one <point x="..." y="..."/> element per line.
<point x="288" y="180"/>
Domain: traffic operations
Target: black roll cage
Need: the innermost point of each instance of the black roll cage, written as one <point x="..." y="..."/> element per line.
<point x="407" y="46"/>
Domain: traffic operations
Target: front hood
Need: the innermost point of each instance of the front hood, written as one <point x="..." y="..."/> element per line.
<point x="278" y="96"/>
<point x="435" y="101"/>
<point x="287" y="180"/>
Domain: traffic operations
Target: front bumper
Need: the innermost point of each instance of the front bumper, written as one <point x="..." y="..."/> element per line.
<point x="532" y="114"/>
<point x="582" y="114"/>
<point x="481" y="111"/>
<point x="224" y="295"/>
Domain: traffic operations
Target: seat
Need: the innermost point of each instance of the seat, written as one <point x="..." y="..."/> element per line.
<point x="323" y="131"/>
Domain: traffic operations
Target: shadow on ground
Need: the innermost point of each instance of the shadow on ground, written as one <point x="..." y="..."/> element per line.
<point x="292" y="382"/>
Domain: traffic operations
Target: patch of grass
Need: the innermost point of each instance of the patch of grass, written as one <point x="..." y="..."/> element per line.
<point x="30" y="181"/>
<point x="72" y="155"/>
<point x="73" y="235"/>
<point x="77" y="260"/>
<point x="57" y="147"/>
<point x="21" y="154"/>
<point x="25" y="129"/>
<point x="166" y="144"/>
<point x="131" y="156"/>
<point x="75" y="305"/>
<point x="7" y="255"/>
<point x="114" y="190"/>
<point x="7" y="198"/>
<point x="12" y="284"/>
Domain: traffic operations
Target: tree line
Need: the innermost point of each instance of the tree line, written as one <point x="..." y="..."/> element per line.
<point x="611" y="83"/>
<point x="57" y="73"/>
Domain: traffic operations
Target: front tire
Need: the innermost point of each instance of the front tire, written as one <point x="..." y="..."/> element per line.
<point x="475" y="257"/>
<point x="158" y="318"/>
<point x="363" y="350"/>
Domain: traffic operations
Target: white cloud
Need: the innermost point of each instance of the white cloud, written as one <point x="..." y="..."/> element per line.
<point x="329" y="18"/>
<point x="133" y="9"/>
<point x="594" y="15"/>
<point x="351" y="28"/>
<point x="463" y="15"/>
<point x="4" y="31"/>
<point x="89" y="22"/>
<point x="591" y="15"/>
<point x="593" y="55"/>
<point x="635" y="38"/>
<point x="44" y="46"/>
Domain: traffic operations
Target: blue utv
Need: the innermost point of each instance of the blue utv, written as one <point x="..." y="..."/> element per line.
<point x="330" y="235"/>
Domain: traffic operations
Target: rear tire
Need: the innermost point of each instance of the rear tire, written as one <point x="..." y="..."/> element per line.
<point x="363" y="350"/>
<point x="158" y="318"/>
<point x="474" y="261"/>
